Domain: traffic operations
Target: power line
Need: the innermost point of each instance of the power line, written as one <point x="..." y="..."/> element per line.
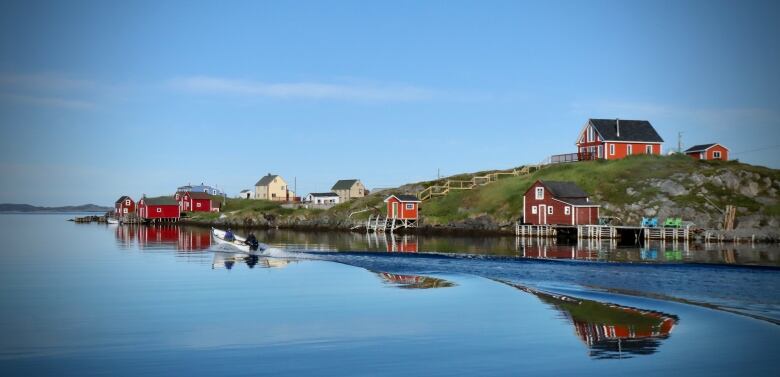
<point x="757" y="149"/>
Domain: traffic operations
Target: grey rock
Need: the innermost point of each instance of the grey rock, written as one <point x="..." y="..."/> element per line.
<point x="750" y="189"/>
<point x="672" y="188"/>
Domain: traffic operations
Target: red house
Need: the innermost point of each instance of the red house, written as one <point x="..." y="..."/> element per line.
<point x="195" y="202"/>
<point x="709" y="152"/>
<point x="158" y="209"/>
<point x="124" y="206"/>
<point x="402" y="207"/>
<point x="613" y="139"/>
<point x="558" y="203"/>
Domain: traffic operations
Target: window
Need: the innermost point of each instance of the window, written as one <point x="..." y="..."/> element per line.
<point x="590" y="134"/>
<point x="648" y="149"/>
<point x="533" y="210"/>
<point x="124" y="210"/>
<point x="409" y="205"/>
<point x="567" y="210"/>
<point x="159" y="210"/>
<point x="197" y="205"/>
<point x="273" y="195"/>
<point x="716" y="154"/>
<point x="629" y="149"/>
<point x="127" y="202"/>
<point x="539" y="193"/>
<point x="612" y="149"/>
<point x="549" y="210"/>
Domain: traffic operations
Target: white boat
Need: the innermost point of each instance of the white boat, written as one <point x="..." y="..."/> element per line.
<point x="112" y="221"/>
<point x="239" y="243"/>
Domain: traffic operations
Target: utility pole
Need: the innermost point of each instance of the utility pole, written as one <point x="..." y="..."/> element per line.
<point x="679" y="142"/>
<point x="438" y="173"/>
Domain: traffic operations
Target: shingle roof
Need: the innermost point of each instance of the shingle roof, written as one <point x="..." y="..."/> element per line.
<point x="565" y="189"/>
<point x="323" y="194"/>
<point x="344" y="184"/>
<point x="161" y="200"/>
<point x="199" y="195"/>
<point x="407" y="198"/>
<point x="122" y="199"/>
<point x="630" y="130"/>
<point x="700" y="147"/>
<point x="266" y="180"/>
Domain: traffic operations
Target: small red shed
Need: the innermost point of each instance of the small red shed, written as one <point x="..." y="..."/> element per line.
<point x="159" y="208"/>
<point x="195" y="202"/>
<point x="713" y="151"/>
<point x="558" y="203"/>
<point x="124" y="206"/>
<point x="403" y="207"/>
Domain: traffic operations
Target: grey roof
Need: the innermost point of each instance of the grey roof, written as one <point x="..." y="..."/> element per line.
<point x="344" y="184"/>
<point x="630" y="130"/>
<point x="565" y="189"/>
<point x="407" y="198"/>
<point x="266" y="180"/>
<point x="323" y="194"/>
<point x="245" y="190"/>
<point x="700" y="147"/>
<point x="578" y="202"/>
<point x="161" y="200"/>
<point x="122" y="199"/>
<point x="198" y="195"/>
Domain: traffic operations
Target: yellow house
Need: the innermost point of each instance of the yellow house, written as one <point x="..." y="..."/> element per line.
<point x="348" y="189"/>
<point x="273" y="187"/>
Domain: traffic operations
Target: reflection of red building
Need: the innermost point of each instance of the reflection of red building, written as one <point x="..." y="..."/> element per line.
<point x="403" y="244"/>
<point x="191" y="239"/>
<point x="157" y="235"/>
<point x="414" y="281"/>
<point x="559" y="252"/>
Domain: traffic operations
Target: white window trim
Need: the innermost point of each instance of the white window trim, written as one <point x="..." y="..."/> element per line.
<point x="534" y="211"/>
<point x="716" y="154"/>
<point x="409" y="205"/>
<point x="549" y="210"/>
<point x="612" y="149"/>
<point x="567" y="210"/>
<point x="629" y="149"/>
<point x="159" y="210"/>
<point x="124" y="210"/>
<point x="537" y="191"/>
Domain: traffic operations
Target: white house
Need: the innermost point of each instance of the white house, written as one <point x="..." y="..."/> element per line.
<point x="323" y="198"/>
<point x="246" y="194"/>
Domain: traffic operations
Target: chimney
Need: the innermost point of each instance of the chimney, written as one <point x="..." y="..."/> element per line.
<point x="617" y="125"/>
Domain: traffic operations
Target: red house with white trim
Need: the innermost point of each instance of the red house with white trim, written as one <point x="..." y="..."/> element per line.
<point x="403" y="207"/>
<point x="713" y="151"/>
<point x="195" y="202"/>
<point x="558" y="203"/>
<point x="159" y="208"/>
<point x="613" y="139"/>
<point x="124" y="206"/>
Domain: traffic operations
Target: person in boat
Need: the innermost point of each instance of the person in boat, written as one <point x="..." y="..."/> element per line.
<point x="229" y="236"/>
<point x="251" y="240"/>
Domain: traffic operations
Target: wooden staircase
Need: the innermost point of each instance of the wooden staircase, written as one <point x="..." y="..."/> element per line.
<point x="474" y="182"/>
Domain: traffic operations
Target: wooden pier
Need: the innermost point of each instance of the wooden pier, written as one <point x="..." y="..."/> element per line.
<point x="599" y="232"/>
<point x="388" y="224"/>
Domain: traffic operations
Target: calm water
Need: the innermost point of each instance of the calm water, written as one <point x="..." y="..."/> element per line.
<point x="100" y="300"/>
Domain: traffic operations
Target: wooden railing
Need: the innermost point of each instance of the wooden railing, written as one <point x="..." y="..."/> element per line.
<point x="474" y="182"/>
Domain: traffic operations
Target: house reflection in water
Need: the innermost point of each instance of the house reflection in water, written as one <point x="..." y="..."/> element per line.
<point x="161" y="237"/>
<point x="612" y="331"/>
<point x="414" y="281"/>
<point x="393" y="243"/>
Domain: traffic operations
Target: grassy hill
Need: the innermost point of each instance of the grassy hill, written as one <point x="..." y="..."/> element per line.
<point x="641" y="185"/>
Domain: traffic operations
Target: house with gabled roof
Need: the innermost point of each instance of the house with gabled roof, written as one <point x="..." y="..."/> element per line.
<point x="712" y="151"/>
<point x="124" y="206"/>
<point x="323" y="198"/>
<point x="197" y="201"/>
<point x="613" y="139"/>
<point x="162" y="208"/>
<point x="273" y="187"/>
<point x="558" y="203"/>
<point x="348" y="189"/>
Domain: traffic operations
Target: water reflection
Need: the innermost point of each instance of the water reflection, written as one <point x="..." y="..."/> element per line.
<point x="414" y="281"/>
<point x="223" y="260"/>
<point x="611" y="331"/>
<point x="163" y="237"/>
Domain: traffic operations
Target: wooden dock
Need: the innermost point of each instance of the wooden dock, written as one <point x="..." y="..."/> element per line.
<point x="388" y="224"/>
<point x="599" y="232"/>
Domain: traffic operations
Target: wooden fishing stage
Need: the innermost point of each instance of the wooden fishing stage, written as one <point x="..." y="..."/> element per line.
<point x="599" y="232"/>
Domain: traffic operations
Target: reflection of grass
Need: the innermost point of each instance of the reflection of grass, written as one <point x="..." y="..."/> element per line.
<point x="597" y="313"/>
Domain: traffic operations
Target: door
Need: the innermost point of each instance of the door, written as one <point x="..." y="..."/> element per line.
<point x="542" y="214"/>
<point x="395" y="210"/>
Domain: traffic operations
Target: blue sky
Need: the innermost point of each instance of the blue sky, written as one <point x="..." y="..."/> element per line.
<point x="100" y="99"/>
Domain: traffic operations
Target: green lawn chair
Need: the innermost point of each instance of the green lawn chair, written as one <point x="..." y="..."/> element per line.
<point x="673" y="222"/>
